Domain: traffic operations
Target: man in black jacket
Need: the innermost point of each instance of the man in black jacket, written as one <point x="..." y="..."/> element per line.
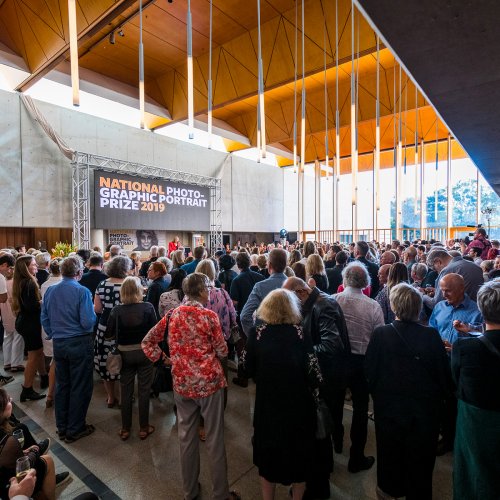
<point x="324" y="322"/>
<point x="360" y="252"/>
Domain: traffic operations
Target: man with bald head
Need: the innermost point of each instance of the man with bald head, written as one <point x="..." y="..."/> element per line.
<point x="323" y="321"/>
<point x="456" y="308"/>
<point x="383" y="274"/>
<point x="387" y="258"/>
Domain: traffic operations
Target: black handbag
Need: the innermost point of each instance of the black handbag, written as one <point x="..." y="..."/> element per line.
<point x="162" y="381"/>
<point x="324" y="421"/>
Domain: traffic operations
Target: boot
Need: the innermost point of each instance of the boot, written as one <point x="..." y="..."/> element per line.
<point x="28" y="394"/>
<point x="44" y="381"/>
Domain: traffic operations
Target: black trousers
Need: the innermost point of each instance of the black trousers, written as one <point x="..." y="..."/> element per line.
<point x="356" y="381"/>
<point x="406" y="453"/>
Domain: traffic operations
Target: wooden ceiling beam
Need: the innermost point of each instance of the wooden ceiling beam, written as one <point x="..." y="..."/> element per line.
<point x="91" y="30"/>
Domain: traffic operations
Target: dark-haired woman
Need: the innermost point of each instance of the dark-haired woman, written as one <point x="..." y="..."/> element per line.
<point x="226" y="276"/>
<point x="26" y="306"/>
<point x="10" y="451"/>
<point x="156" y="272"/>
<point x="174" y="294"/>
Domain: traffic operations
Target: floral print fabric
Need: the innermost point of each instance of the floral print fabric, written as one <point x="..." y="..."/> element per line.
<point x="195" y="342"/>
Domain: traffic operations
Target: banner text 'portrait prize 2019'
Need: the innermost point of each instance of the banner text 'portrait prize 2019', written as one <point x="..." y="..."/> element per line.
<point x="125" y="202"/>
<point x="146" y="196"/>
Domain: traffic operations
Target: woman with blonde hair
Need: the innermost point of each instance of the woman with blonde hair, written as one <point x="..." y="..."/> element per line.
<point x="135" y="257"/>
<point x="128" y="324"/>
<point x="177" y="258"/>
<point x="281" y="360"/>
<point x="26" y="306"/>
<point x="315" y="269"/>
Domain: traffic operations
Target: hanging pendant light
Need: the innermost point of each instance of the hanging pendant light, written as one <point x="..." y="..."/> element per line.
<point x="437" y="171"/>
<point x="416" y="152"/>
<point x="73" y="50"/>
<point x="377" y="137"/>
<point x="141" y="68"/>
<point x="189" y="25"/>
<point x="303" y="114"/>
<point x="337" y="120"/>
<point x="261" y="115"/>
<point x="210" y="81"/>
<point x="295" y="94"/>
<point x="327" y="163"/>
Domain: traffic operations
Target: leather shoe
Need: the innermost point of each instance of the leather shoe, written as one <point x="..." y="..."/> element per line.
<point x="358" y="465"/>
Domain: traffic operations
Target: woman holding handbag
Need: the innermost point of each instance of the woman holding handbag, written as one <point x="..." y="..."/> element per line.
<point x="196" y="346"/>
<point x="128" y="324"/>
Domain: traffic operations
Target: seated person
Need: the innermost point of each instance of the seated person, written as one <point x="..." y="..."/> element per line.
<point x="10" y="451"/>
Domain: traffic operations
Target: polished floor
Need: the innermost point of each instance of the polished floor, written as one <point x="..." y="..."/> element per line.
<point x="136" y="470"/>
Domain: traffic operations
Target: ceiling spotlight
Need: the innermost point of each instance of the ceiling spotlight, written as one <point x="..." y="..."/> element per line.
<point x="121" y="33"/>
<point x="112" y="38"/>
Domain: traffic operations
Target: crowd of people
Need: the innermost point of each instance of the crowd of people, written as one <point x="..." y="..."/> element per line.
<point x="415" y="325"/>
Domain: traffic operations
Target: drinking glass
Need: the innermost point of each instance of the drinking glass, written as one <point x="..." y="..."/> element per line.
<point x="22" y="467"/>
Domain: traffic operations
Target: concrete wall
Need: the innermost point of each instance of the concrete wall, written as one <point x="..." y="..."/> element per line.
<point x="36" y="178"/>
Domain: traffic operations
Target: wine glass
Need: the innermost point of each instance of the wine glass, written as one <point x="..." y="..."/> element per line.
<point x="19" y="435"/>
<point x="22" y="467"/>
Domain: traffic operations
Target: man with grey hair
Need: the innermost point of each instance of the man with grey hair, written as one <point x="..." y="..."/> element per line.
<point x="441" y="261"/>
<point x="418" y="274"/>
<point x="323" y="321"/>
<point x="387" y="258"/>
<point x="362" y="315"/>
<point x="68" y="319"/>
<point x="114" y="251"/>
<point x="42" y="262"/>
<point x="153" y="256"/>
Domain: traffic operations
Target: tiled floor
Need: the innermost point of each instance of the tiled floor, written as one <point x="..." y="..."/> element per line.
<point x="137" y="470"/>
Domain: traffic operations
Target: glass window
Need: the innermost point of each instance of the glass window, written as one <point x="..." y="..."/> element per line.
<point x="489" y="209"/>
<point x="464" y="192"/>
<point x="435" y="184"/>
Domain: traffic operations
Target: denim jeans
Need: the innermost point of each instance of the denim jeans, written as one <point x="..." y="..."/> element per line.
<point x="74" y="358"/>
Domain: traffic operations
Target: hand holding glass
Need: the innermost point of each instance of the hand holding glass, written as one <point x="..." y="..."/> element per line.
<point x="22" y="467"/>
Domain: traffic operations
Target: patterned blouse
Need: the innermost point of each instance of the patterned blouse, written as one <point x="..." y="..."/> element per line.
<point x="168" y="300"/>
<point x="195" y="341"/>
<point x="220" y="303"/>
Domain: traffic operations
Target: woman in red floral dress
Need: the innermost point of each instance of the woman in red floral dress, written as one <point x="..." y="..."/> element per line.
<point x="196" y="346"/>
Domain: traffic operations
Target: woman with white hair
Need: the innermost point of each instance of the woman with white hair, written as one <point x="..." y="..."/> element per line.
<point x="281" y="360"/>
<point x="475" y="365"/>
<point x="408" y="375"/>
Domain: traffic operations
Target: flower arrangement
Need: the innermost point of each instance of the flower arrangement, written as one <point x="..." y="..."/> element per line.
<point x="63" y="249"/>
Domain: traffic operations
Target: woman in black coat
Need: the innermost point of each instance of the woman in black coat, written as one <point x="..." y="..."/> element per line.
<point x="281" y="360"/>
<point x="156" y="272"/>
<point x="409" y="376"/>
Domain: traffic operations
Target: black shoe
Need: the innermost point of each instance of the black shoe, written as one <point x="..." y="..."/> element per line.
<point x="62" y="478"/>
<point x="358" y="465"/>
<point x="242" y="382"/>
<point x="5" y="379"/>
<point x="43" y="446"/>
<point x="443" y="447"/>
<point x="44" y="381"/>
<point x="28" y="394"/>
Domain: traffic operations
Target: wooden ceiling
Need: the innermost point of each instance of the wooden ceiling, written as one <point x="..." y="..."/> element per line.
<point x="37" y="30"/>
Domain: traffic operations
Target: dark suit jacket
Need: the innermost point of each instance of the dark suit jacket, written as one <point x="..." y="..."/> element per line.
<point x="334" y="278"/>
<point x="476" y="371"/>
<point x="400" y="384"/>
<point x="373" y="272"/>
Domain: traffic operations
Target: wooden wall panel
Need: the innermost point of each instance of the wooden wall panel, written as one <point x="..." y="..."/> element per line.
<point x="12" y="236"/>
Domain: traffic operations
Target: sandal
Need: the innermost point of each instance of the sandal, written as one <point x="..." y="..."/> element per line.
<point x="87" y="431"/>
<point x="124" y="434"/>
<point x="144" y="433"/>
<point x="201" y="434"/>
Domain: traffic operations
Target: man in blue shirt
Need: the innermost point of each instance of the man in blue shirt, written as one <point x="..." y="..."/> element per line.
<point x="198" y="254"/>
<point x="456" y="307"/>
<point x="68" y="318"/>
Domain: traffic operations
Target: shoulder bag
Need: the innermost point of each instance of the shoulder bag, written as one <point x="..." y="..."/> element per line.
<point x="162" y="381"/>
<point x="114" y="360"/>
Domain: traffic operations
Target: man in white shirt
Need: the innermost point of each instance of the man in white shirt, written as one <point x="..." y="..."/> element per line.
<point x="362" y="316"/>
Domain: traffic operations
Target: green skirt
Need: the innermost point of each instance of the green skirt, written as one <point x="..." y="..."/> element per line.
<point x="476" y="471"/>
